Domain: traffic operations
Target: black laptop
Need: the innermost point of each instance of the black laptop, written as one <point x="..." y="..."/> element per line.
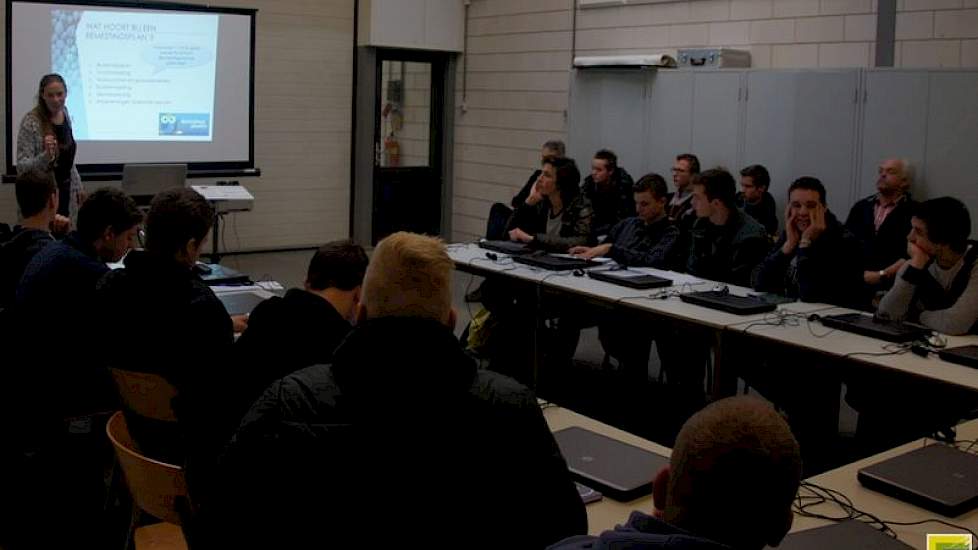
<point x="506" y="247"/>
<point x="848" y="535"/>
<point x="867" y="325"/>
<point x="939" y="478"/>
<point x="631" y="279"/>
<point x="554" y="263"/>
<point x="724" y="301"/>
<point x="621" y="471"/>
<point x="962" y="355"/>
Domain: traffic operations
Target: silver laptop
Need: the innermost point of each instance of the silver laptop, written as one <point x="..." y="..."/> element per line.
<point x="150" y="179"/>
<point x="621" y="471"/>
<point x="239" y="303"/>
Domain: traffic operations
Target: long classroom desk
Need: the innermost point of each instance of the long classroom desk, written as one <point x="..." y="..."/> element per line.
<point x="884" y="507"/>
<point x="810" y="335"/>
<point x="468" y="257"/>
<point x="607" y="513"/>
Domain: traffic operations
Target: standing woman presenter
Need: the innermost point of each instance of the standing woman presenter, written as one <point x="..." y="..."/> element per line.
<point x="45" y="142"/>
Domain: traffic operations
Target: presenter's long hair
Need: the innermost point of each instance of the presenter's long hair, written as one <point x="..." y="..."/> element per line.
<point x="41" y="110"/>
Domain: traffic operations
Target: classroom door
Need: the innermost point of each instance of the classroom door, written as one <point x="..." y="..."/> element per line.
<point x="408" y="179"/>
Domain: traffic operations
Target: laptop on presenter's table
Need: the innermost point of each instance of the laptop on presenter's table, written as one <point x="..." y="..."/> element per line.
<point x="939" y="478"/>
<point x="868" y="325"/>
<point x="618" y="470"/>
<point x="553" y="263"/>
<point x="731" y="303"/>
<point x="631" y="279"/>
<point x="506" y="247"/>
<point x="962" y="355"/>
<point x="848" y="535"/>
<point x="146" y="180"/>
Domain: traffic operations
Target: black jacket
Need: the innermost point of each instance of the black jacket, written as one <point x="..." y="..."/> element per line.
<point x="15" y="253"/>
<point x="727" y="253"/>
<point x="636" y="243"/>
<point x="287" y="334"/>
<point x="828" y="271"/>
<point x="642" y="532"/>
<point x="884" y="247"/>
<point x="610" y="205"/>
<point x="575" y="224"/>
<point x="401" y="432"/>
<point x="164" y="320"/>
<point x="764" y="212"/>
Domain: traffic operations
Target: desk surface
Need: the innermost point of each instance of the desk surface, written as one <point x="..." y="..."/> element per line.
<point x="606" y="513"/>
<point x="813" y="336"/>
<point x="887" y="508"/>
<point x="470" y="257"/>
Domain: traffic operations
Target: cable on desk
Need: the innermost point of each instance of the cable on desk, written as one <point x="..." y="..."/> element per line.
<point x="888" y="349"/>
<point x="778" y="319"/>
<point x="817" y="495"/>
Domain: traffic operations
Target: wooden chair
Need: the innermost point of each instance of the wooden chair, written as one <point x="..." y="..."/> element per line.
<point x="148" y="395"/>
<point x="157" y="488"/>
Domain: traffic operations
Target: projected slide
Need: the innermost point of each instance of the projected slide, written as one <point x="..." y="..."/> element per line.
<point x="137" y="76"/>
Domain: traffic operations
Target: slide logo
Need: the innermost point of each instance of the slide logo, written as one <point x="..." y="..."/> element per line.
<point x="185" y="124"/>
<point x="949" y="542"/>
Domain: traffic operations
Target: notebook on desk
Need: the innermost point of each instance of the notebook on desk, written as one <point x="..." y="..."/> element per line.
<point x="631" y="279"/>
<point x="867" y="325"/>
<point x="621" y="471"/>
<point x="939" y="478"/>
<point x="554" y="263"/>
<point x="962" y="355"/>
<point x="848" y="535"/>
<point x="731" y="303"/>
<point x="506" y="247"/>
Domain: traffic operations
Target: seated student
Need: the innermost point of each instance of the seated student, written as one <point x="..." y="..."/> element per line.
<point x="816" y="259"/>
<point x="402" y="415"/>
<point x="754" y="198"/>
<point x="499" y="213"/>
<point x="166" y="321"/>
<point x="725" y="244"/>
<point x="609" y="188"/>
<point x="938" y="286"/>
<point x="646" y="240"/>
<point x="555" y="216"/>
<point x="62" y="278"/>
<point x="643" y="240"/>
<point x="733" y="475"/>
<point x="303" y="328"/>
<point x="686" y="167"/>
<point x="37" y="200"/>
<point x="881" y="222"/>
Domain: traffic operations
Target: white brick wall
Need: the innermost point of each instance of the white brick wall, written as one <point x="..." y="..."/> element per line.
<point x="519" y="54"/>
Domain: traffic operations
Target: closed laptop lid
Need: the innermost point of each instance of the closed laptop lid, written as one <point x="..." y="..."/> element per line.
<point x="554" y="263"/>
<point x="633" y="279"/>
<point x="848" y="535"/>
<point x="938" y="474"/>
<point x="150" y="179"/>
<point x="608" y="464"/>
<point x="963" y="355"/>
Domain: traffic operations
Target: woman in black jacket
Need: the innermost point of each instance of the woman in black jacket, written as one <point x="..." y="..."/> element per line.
<point x="555" y="216"/>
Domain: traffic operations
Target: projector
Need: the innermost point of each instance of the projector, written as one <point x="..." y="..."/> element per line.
<point x="227" y="198"/>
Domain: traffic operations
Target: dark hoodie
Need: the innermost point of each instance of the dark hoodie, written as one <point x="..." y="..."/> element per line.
<point x="642" y="532"/>
<point x="402" y="431"/>
<point x="612" y="203"/>
<point x="16" y="252"/>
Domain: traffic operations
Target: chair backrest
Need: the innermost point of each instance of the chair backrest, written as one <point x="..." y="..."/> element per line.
<point x="156" y="487"/>
<point x="148" y="395"/>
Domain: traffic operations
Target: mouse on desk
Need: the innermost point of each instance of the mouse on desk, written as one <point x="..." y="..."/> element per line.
<point x="578" y="272"/>
<point x="491" y="256"/>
